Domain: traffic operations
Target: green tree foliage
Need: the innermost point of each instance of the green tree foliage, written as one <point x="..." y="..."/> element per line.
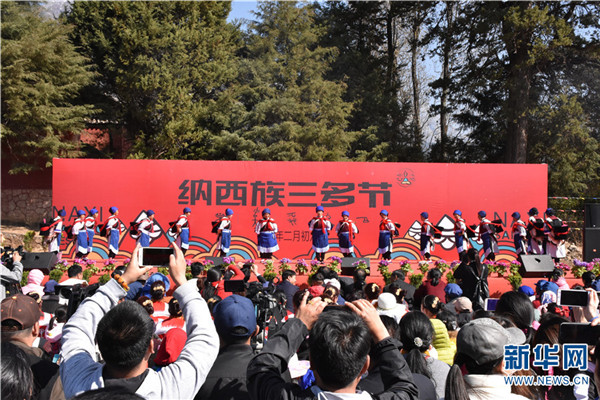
<point x="287" y="109"/>
<point x="164" y="70"/>
<point x="42" y="75"/>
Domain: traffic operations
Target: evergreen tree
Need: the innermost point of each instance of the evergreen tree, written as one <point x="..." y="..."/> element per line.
<point x="42" y="76"/>
<point x="287" y="109"/>
<point x="165" y="69"/>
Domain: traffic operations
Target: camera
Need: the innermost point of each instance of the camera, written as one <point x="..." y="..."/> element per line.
<point x="7" y="255"/>
<point x="270" y="312"/>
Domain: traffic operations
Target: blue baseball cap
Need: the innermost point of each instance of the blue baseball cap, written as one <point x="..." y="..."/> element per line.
<point x="229" y="211"/>
<point x="93" y="211"/>
<point x="81" y="212"/>
<point x="346" y="213"/>
<point x="453" y="290"/>
<point x="50" y="286"/>
<point x="482" y="214"/>
<point x="596" y="285"/>
<point x="113" y="210"/>
<point x="234" y="312"/>
<point x="527" y="290"/>
<point x="516" y="214"/>
<point x="150" y="212"/>
<point x="457" y="212"/>
<point x="62" y="212"/>
<point x="384" y="212"/>
<point x="266" y="211"/>
<point x="425" y="214"/>
<point x="187" y="210"/>
<point x="549" y="211"/>
<point x="533" y="211"/>
<point x="319" y="208"/>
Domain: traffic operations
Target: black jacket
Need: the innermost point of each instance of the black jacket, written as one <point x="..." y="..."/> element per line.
<point x="289" y="289"/>
<point x="264" y="371"/>
<point x="227" y="377"/>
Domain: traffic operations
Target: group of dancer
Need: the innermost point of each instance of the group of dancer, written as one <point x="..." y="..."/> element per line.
<point x="537" y="236"/>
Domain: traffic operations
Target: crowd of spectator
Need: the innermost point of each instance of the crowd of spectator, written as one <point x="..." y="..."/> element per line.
<point x="148" y="335"/>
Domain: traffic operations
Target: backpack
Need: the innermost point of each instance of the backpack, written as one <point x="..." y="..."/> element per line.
<point x="215" y="225"/>
<point x="396" y="231"/>
<point x="134" y="229"/>
<point x="69" y="231"/>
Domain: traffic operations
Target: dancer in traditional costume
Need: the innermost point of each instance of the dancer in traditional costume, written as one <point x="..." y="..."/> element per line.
<point x="319" y="227"/>
<point x="555" y="245"/>
<point x="113" y="231"/>
<point x="535" y="233"/>
<point x="487" y="234"/>
<point x="346" y="231"/>
<point x="56" y="229"/>
<point x="146" y="227"/>
<point x="80" y="235"/>
<point x="266" y="228"/>
<point x="224" y="233"/>
<point x="90" y="227"/>
<point x="427" y="229"/>
<point x="386" y="231"/>
<point x="519" y="232"/>
<point x="183" y="230"/>
<point x="460" y="239"/>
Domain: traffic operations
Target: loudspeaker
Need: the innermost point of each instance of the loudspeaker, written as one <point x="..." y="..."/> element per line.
<point x="348" y="268"/>
<point x="217" y="260"/>
<point x="592" y="215"/>
<point x="43" y="261"/>
<point x="591" y="244"/>
<point x="536" y="266"/>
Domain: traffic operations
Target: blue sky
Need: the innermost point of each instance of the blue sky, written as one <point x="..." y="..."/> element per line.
<point x="241" y="9"/>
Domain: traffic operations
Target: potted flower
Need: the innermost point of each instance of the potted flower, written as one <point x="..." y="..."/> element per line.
<point x="501" y="268"/>
<point x="314" y="266"/>
<point x="109" y="265"/>
<point x="227" y="261"/>
<point x="207" y="264"/>
<point x="594" y="266"/>
<point x="515" y="280"/>
<point x="423" y="266"/>
<point x="284" y="264"/>
<point x="336" y="263"/>
<point x="579" y="267"/>
<point x="416" y="280"/>
<point x="301" y="267"/>
<point x="441" y="265"/>
<point x="269" y="272"/>
<point x="383" y="268"/>
<point x="405" y="266"/>
<point x="362" y="264"/>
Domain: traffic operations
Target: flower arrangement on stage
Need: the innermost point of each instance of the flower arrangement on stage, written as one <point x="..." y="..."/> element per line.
<point x="335" y="264"/>
<point x="580" y="267"/>
<point x="284" y="264"/>
<point x="227" y="261"/>
<point x="126" y="262"/>
<point x="416" y="280"/>
<point x="301" y="267"/>
<point x="314" y="266"/>
<point x="441" y="265"/>
<point x="269" y="272"/>
<point x="362" y="264"/>
<point x="163" y="270"/>
<point x="383" y="268"/>
<point x="423" y="266"/>
<point x="109" y="265"/>
<point x="207" y="264"/>
<point x="405" y="266"/>
<point x="62" y="265"/>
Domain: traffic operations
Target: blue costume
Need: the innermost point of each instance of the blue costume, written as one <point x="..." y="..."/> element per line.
<point x="183" y="227"/>
<point x="487" y="236"/>
<point x="519" y="232"/>
<point x="266" y="229"/>
<point x="80" y="232"/>
<point x="90" y="226"/>
<point x="386" y="228"/>
<point x="113" y="228"/>
<point x="146" y="227"/>
<point x="224" y="231"/>
<point x="460" y="227"/>
<point x="346" y="229"/>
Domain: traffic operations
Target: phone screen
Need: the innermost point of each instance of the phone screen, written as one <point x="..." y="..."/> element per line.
<point x="578" y="333"/>
<point x="155" y="256"/>
<point x="572" y="298"/>
<point x="490" y="304"/>
<point x="235" y="285"/>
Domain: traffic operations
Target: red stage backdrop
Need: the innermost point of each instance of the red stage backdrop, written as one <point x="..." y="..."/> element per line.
<point x="292" y="190"/>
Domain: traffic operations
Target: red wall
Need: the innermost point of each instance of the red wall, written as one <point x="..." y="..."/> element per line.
<point x="292" y="190"/>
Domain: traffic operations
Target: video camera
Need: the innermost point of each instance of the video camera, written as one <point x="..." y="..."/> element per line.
<point x="7" y="255"/>
<point x="269" y="311"/>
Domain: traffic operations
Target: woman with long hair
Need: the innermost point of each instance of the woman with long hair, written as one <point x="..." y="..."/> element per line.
<point x="471" y="276"/>
<point x="432" y="286"/>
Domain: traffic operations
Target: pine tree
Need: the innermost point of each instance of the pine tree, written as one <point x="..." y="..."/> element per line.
<point x="42" y="76"/>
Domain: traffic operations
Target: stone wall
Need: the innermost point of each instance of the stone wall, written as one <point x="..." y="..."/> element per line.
<point x="26" y="206"/>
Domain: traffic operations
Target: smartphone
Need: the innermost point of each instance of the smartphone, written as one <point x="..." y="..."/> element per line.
<point x="154" y="256"/>
<point x="572" y="298"/>
<point x="570" y="332"/>
<point x="235" y="285"/>
<point x="490" y="304"/>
